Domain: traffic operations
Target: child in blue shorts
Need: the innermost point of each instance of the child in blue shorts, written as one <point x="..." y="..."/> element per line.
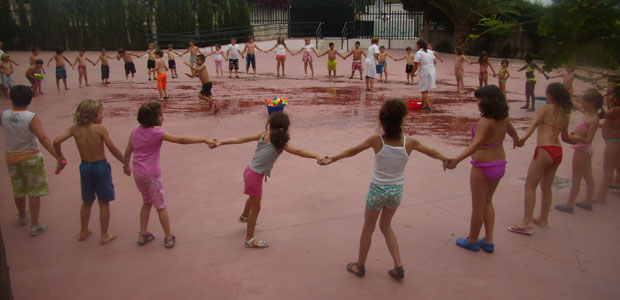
<point x="95" y="171"/>
<point x="23" y="130"/>
<point x="392" y="151"/>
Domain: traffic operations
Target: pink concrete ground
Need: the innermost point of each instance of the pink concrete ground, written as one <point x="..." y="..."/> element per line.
<point x="311" y="216"/>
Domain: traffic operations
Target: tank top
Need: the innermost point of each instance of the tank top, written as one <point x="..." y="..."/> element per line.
<point x="390" y="164"/>
<point x="281" y="50"/>
<point x="17" y="133"/>
<point x="264" y="157"/>
<point x="218" y="55"/>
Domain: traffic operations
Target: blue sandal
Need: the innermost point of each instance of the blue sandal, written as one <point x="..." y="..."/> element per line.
<point x="464" y="242"/>
<point x="487" y="247"/>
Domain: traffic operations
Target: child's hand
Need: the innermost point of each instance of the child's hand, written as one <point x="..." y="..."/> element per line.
<point x="127" y="170"/>
<point x="325" y="161"/>
<point x="520" y="142"/>
<point x="61" y="162"/>
<point x="451" y="164"/>
<point x="211" y="142"/>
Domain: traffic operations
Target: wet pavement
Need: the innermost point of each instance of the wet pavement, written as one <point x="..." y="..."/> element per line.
<point x="311" y="215"/>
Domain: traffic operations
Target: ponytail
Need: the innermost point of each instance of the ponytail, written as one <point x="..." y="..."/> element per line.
<point x="422" y="44"/>
<point x="278" y="130"/>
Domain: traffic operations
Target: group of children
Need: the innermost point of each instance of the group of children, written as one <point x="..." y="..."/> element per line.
<point x="391" y="149"/>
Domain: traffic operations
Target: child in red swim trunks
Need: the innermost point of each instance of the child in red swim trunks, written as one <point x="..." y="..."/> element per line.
<point x="550" y="120"/>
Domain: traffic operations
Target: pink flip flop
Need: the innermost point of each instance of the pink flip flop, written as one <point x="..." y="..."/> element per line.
<point x="519" y="229"/>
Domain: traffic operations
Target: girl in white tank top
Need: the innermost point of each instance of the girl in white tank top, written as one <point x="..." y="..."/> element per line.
<point x="386" y="185"/>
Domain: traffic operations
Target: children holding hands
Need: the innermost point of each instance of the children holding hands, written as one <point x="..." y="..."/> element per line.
<point x="280" y="54"/>
<point x="61" y="71"/>
<point x="80" y="61"/>
<point x="331" y="60"/>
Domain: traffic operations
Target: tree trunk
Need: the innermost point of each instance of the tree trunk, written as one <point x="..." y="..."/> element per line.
<point x="426" y="27"/>
<point x="5" y="279"/>
<point x="461" y="36"/>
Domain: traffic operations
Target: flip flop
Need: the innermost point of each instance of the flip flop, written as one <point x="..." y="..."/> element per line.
<point x="261" y="244"/>
<point x="519" y="229"/>
<point x="146" y="238"/>
<point x="539" y="223"/>
<point x="361" y="270"/>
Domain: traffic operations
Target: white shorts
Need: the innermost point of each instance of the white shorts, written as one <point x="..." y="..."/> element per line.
<point x="427" y="81"/>
<point x="371" y="69"/>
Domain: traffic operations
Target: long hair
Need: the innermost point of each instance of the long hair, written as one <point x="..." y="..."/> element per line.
<point x="492" y="102"/>
<point x="561" y="96"/>
<point x="422" y="44"/>
<point x="391" y="117"/>
<point x="278" y="129"/>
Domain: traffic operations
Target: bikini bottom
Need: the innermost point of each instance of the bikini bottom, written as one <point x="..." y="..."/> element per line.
<point x="492" y="170"/>
<point x="554" y="151"/>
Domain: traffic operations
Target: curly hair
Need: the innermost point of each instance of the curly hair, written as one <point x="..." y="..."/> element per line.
<point x="148" y="113"/>
<point x="492" y="102"/>
<point x="86" y="111"/>
<point x="391" y="117"/>
<point x="278" y="129"/>
<point x="561" y="96"/>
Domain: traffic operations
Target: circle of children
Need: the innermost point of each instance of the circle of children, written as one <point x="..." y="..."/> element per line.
<point x="24" y="131"/>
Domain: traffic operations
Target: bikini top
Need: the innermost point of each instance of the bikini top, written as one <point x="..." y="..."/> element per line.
<point x="492" y="145"/>
<point x="583" y="126"/>
<point x="459" y="58"/>
<point x="502" y="71"/>
<point x="529" y="69"/>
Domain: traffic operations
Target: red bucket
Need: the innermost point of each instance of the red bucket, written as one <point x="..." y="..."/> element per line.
<point x="414" y="104"/>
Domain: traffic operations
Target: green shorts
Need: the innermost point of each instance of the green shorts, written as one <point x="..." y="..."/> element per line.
<point x="380" y="195"/>
<point x="28" y="178"/>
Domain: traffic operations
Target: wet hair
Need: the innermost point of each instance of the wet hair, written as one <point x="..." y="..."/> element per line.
<point x="357" y="42"/>
<point x="492" y="102"/>
<point x="21" y="95"/>
<point x="374" y="40"/>
<point x="408" y="49"/>
<point x="278" y="129"/>
<point x="382" y="47"/>
<point x="159" y="53"/>
<point x="148" y="113"/>
<point x="595" y="98"/>
<point x="505" y="61"/>
<point x="529" y="58"/>
<point x="391" y="116"/>
<point x="38" y="62"/>
<point x="86" y="111"/>
<point x="422" y="44"/>
<point x="458" y="50"/>
<point x="561" y="96"/>
<point x="60" y="50"/>
<point x="331" y="44"/>
<point x="121" y="51"/>
<point x="280" y="38"/>
<point x="483" y="54"/>
<point x="201" y="56"/>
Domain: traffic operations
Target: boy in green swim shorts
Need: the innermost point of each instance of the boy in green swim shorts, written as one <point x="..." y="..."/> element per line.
<point x="23" y="131"/>
<point x="331" y="60"/>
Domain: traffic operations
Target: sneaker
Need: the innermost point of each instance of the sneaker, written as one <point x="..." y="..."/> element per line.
<point x="127" y="81"/>
<point x="525" y="107"/>
<point x="133" y="80"/>
<point x="22" y="221"/>
<point x="37" y="230"/>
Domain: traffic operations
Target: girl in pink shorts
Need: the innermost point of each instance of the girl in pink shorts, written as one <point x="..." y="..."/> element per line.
<point x="145" y="143"/>
<point x="271" y="143"/>
<point x="219" y="60"/>
<point x="307" y="49"/>
<point x="280" y="54"/>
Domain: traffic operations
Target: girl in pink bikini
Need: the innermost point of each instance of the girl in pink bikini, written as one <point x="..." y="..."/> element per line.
<point x="458" y="69"/>
<point x="483" y="61"/>
<point x="488" y="164"/>
<point x="582" y="157"/>
<point x="551" y="120"/>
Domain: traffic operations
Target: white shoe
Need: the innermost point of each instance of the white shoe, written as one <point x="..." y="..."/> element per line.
<point x="127" y="81"/>
<point x="255" y="75"/>
<point x="37" y="230"/>
<point x="133" y="80"/>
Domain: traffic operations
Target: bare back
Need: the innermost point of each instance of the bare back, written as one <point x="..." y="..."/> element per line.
<point x="89" y="141"/>
<point x="491" y="147"/>
<point x="611" y="124"/>
<point x="554" y="122"/>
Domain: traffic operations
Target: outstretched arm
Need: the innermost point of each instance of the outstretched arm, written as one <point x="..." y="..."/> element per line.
<point x="513" y="134"/>
<point x="74" y="63"/>
<point x="491" y="66"/>
<point x="349" y="152"/>
<point x="300" y="152"/>
<point x="482" y="129"/>
<point x="537" y="120"/>
<point x="437" y="56"/>
<point x="186" y="139"/>
<point x="67" y="60"/>
<point x="49" y="61"/>
<point x="466" y="59"/>
<point x="392" y="57"/>
<point x="240" y="140"/>
<point x="430" y="152"/>
<point x="88" y="59"/>
<point x="97" y="61"/>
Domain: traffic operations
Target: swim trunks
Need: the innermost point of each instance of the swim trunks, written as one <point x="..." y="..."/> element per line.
<point x="28" y="178"/>
<point x="130" y="68"/>
<point x="250" y="59"/>
<point x="162" y="81"/>
<point x="356" y="65"/>
<point x="172" y="64"/>
<point x="61" y="73"/>
<point x="408" y="69"/>
<point x="206" y="89"/>
<point x="331" y="65"/>
<point x="150" y="64"/>
<point x="96" y="179"/>
<point x="105" y="72"/>
<point x="233" y="64"/>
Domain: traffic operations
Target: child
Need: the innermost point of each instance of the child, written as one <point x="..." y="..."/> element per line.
<point x="105" y="67"/>
<point x="530" y="83"/>
<point x="371" y="64"/>
<point x="280" y="54"/>
<point x="233" y="55"/>
<point x="172" y="64"/>
<point x="483" y="61"/>
<point x="31" y="75"/>
<point x="382" y="66"/>
<point x="567" y="78"/>
<point x="503" y="75"/>
<point x="582" y="157"/>
<point x="150" y="63"/>
<point x="22" y="129"/>
<point x="193" y="51"/>
<point x="61" y="71"/>
<point x="488" y="164"/>
<point x="307" y="49"/>
<point x="548" y="154"/>
<point x="35" y="55"/>
<point x="219" y="60"/>
<point x="459" y="70"/>
<point x="437" y="57"/>
<point x="332" y="63"/>
<point x="203" y="74"/>
<point x="95" y="171"/>
<point x="145" y="144"/>
<point x="250" y="57"/>
<point x="130" y="67"/>
<point x="611" y="135"/>
<point x="357" y="59"/>
<point x="162" y="75"/>
<point x="7" y="74"/>
<point x="392" y="150"/>
<point x="80" y="61"/>
<point x="271" y="143"/>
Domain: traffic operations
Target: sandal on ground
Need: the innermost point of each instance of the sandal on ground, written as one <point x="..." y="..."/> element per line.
<point x="360" y="272"/>
<point x="587" y="207"/>
<point x="169" y="242"/>
<point x="146" y="238"/>
<point x="487" y="247"/>
<point x="397" y="273"/>
<point x="261" y="244"/>
<point x="23" y="221"/>
<point x="540" y="223"/>
<point x="519" y="229"/>
<point x="242" y="219"/>
<point x="564" y="208"/>
<point x="37" y="230"/>
<point x="464" y="243"/>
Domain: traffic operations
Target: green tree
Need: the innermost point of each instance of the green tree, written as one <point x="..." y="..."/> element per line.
<point x="24" y="31"/>
<point x="174" y="16"/>
<point x="7" y="23"/>
<point x="206" y="15"/>
<point x="137" y="31"/>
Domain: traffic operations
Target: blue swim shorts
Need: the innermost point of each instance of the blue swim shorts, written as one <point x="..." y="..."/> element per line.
<point x="96" y="180"/>
<point x="380" y="195"/>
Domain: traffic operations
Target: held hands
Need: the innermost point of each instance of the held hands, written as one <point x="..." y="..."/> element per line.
<point x="325" y="161"/>
<point x="520" y="142"/>
<point x="127" y="170"/>
<point x="450" y="164"/>
<point x="213" y="143"/>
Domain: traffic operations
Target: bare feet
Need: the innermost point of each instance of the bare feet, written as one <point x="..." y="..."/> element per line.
<point x="84" y="235"/>
<point x="107" y="238"/>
